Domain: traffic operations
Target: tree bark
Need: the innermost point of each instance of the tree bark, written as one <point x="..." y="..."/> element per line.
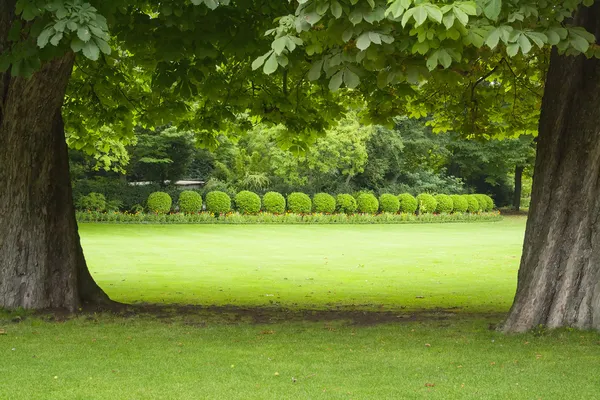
<point x="518" y="187"/>
<point x="41" y="260"/>
<point x="559" y="276"/>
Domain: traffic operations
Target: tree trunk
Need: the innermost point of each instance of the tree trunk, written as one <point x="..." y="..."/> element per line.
<point x="559" y="277"/>
<point x="41" y="260"/>
<point x="518" y="187"/>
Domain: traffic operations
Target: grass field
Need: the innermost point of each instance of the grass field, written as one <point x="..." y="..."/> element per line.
<point x="200" y="354"/>
<point x="471" y="266"/>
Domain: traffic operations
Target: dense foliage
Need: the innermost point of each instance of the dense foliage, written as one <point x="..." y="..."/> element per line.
<point x="159" y="203"/>
<point x="274" y="203"/>
<point x="92" y="202"/>
<point x="408" y="203"/>
<point x="472" y="203"/>
<point x="218" y="202"/>
<point x="389" y="203"/>
<point x="247" y="202"/>
<point x="459" y="202"/>
<point x="345" y="203"/>
<point x="445" y="204"/>
<point x="427" y="203"/>
<point x="367" y="203"/>
<point x="323" y="203"/>
<point x="189" y="202"/>
<point x="299" y="203"/>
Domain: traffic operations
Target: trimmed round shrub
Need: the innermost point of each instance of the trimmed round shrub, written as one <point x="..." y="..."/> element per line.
<point x="323" y="203"/>
<point x="444" y="203"/>
<point x="408" y="203"/>
<point x="460" y="203"/>
<point x="367" y="203"/>
<point x="247" y="202"/>
<point x="345" y="203"/>
<point x="489" y="202"/>
<point x="218" y="202"/>
<point x="427" y="203"/>
<point x="274" y="202"/>
<point x="389" y="203"/>
<point x="482" y="201"/>
<point x="473" y="204"/>
<point x="189" y="202"/>
<point x="299" y="203"/>
<point x="93" y="202"/>
<point x="159" y="203"/>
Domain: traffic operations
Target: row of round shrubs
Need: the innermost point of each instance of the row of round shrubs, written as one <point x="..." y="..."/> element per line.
<point x="250" y="203"/>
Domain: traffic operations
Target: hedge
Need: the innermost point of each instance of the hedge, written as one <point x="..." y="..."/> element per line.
<point x="345" y="203"/>
<point x="218" y="202"/>
<point x="408" y="203"/>
<point x="247" y="202"/>
<point x="460" y="203"/>
<point x="389" y="203"/>
<point x="190" y="202"/>
<point x="473" y="204"/>
<point x="444" y="203"/>
<point x="427" y="203"/>
<point x="274" y="202"/>
<point x="92" y="202"/>
<point x="159" y="203"/>
<point x="323" y="203"/>
<point x="367" y="203"/>
<point x="299" y="203"/>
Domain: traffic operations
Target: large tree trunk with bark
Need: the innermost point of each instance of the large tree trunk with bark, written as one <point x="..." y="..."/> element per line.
<point x="559" y="277"/>
<point x="41" y="260"/>
<point x="518" y="187"/>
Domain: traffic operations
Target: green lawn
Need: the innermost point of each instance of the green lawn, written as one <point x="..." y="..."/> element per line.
<point x="471" y="266"/>
<point x="198" y="354"/>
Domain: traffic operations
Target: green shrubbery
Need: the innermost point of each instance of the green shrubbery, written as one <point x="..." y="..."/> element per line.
<point x="92" y="202"/>
<point x="218" y="202"/>
<point x="389" y="203"/>
<point x="345" y="204"/>
<point x="408" y="203"/>
<point x="159" y="203"/>
<point x="460" y="203"/>
<point x="323" y="203"/>
<point x="444" y="203"/>
<point x="299" y="203"/>
<point x="367" y="203"/>
<point x="473" y="204"/>
<point x="190" y="202"/>
<point x="427" y="203"/>
<point x="489" y="203"/>
<point x="273" y="202"/>
<point x="247" y="202"/>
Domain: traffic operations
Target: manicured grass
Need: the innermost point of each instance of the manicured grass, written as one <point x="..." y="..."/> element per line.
<point x="470" y="266"/>
<point x="194" y="353"/>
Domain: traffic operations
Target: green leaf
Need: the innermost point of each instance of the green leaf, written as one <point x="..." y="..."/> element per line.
<point x="256" y="64"/>
<point x="448" y="20"/>
<point x="103" y="46"/>
<point x="55" y="41"/>
<point x="444" y="58"/>
<point x="283" y="60"/>
<point x="77" y="45"/>
<point x="579" y="43"/>
<point x="462" y="16"/>
<point x="524" y="44"/>
<point x="420" y="47"/>
<point x="363" y="42"/>
<point x="492" y="9"/>
<point x="336" y="81"/>
<point x="44" y="37"/>
<point x="336" y="9"/>
<point x="83" y="33"/>
<point x="347" y="35"/>
<point x="315" y="71"/>
<point x="512" y="49"/>
<point x="375" y="38"/>
<point x="469" y="7"/>
<point x="371" y="3"/>
<point x="356" y="16"/>
<point x="351" y="80"/>
<point x="271" y="64"/>
<point x="395" y="9"/>
<point x="91" y="51"/>
<point x="420" y="15"/>
<point x="553" y="38"/>
<point x="278" y="45"/>
<point x="502" y="32"/>
<point x="434" y="12"/>
<point x="72" y="26"/>
<point x="322" y="8"/>
<point x="538" y="38"/>
<point x="432" y="61"/>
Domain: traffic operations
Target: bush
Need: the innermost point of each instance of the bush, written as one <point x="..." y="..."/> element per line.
<point x="274" y="202"/>
<point x="323" y="203"/>
<point x="190" y="202"/>
<point x="218" y="202"/>
<point x="473" y="204"/>
<point x="299" y="203"/>
<point x="159" y="203"/>
<point x="460" y="203"/>
<point x="489" y="203"/>
<point x="367" y="203"/>
<point x="114" y="205"/>
<point x="345" y="203"/>
<point x="247" y="202"/>
<point x="408" y="203"/>
<point x="92" y="202"/>
<point x="427" y="203"/>
<point x="444" y="204"/>
<point x="481" y="199"/>
<point x="389" y="203"/>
